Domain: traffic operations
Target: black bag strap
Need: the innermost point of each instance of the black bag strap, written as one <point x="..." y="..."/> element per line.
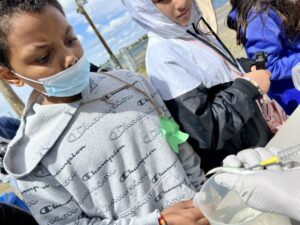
<point x="230" y="58"/>
<point x="218" y="39"/>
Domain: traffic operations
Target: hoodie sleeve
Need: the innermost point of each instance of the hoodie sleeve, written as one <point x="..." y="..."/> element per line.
<point x="264" y="33"/>
<point x="187" y="156"/>
<point x="51" y="204"/>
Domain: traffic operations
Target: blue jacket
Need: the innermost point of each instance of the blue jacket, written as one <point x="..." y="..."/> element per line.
<point x="265" y="33"/>
<point x="8" y="127"/>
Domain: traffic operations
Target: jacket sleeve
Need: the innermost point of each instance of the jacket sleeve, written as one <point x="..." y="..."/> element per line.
<point x="187" y="156"/>
<point x="8" y="127"/>
<point x="214" y="115"/>
<point x="51" y="204"/>
<point x="264" y="33"/>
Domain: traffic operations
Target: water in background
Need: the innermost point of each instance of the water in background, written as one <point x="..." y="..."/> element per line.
<point x="219" y="3"/>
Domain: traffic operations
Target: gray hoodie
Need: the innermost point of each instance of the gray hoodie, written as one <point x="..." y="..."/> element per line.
<point x="100" y="162"/>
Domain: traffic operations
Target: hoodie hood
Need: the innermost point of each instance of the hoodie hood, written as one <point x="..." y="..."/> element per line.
<point x="29" y="146"/>
<point x="145" y="13"/>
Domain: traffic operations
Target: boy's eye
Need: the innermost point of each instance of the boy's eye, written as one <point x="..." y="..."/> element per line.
<point x="43" y="59"/>
<point x="157" y="1"/>
<point x="71" y="41"/>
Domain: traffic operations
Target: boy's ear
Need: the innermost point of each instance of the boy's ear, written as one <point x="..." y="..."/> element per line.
<point x="9" y="77"/>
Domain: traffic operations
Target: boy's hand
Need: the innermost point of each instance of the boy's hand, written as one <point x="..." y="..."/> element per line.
<point x="184" y="213"/>
<point x="262" y="78"/>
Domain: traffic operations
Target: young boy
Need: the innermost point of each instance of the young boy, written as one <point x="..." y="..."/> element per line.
<point x="89" y="149"/>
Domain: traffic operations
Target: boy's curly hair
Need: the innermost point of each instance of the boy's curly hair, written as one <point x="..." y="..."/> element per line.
<point x="7" y="10"/>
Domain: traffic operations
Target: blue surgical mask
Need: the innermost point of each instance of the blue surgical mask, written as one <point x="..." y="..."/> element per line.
<point x="69" y="82"/>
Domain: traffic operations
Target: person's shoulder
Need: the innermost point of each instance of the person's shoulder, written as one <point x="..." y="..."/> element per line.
<point x="158" y="41"/>
<point x="233" y="14"/>
<point x="122" y="74"/>
<point x="158" y="45"/>
<point x="162" y="50"/>
<point x="269" y="14"/>
<point x="275" y="16"/>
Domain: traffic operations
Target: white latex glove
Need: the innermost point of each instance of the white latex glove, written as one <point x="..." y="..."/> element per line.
<point x="272" y="190"/>
<point x="251" y="157"/>
<point x="267" y="190"/>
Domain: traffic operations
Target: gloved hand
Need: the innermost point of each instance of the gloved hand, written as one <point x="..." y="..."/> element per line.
<point x="251" y="157"/>
<point x="272" y="190"/>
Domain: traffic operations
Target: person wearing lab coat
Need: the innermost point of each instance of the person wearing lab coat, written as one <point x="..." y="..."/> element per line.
<point x="197" y="82"/>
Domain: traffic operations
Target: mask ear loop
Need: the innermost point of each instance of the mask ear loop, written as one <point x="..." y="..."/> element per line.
<point x="25" y="78"/>
<point x="31" y="80"/>
<point x="232" y="59"/>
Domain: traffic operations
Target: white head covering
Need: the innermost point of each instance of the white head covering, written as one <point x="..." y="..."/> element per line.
<point x="145" y="13"/>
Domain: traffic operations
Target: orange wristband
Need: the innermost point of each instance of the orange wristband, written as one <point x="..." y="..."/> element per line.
<point x="161" y="220"/>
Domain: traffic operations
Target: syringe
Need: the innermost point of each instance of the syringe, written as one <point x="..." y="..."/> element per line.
<point x="291" y="154"/>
